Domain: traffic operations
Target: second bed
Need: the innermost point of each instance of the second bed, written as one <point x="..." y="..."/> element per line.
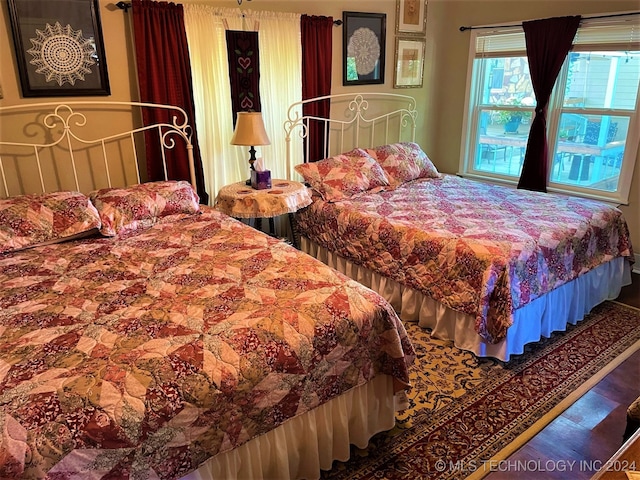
<point x="488" y="267"/>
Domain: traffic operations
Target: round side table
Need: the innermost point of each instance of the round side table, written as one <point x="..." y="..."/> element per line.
<point x="239" y="200"/>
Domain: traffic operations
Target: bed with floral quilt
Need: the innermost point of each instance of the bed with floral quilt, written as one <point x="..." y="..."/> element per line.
<point x="488" y="267"/>
<point x="160" y="342"/>
<point x="143" y="335"/>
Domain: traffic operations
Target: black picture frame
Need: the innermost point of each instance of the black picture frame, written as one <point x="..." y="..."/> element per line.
<point x="59" y="47"/>
<point x="363" y="48"/>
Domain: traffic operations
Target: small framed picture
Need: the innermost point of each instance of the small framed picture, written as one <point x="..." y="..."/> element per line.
<point x="411" y="17"/>
<point x="363" y="48"/>
<point x="59" y="47"/>
<point x="409" y="62"/>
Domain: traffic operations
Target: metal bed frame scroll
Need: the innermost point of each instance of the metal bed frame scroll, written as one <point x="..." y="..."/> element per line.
<point x="351" y="119"/>
<point x="60" y="123"/>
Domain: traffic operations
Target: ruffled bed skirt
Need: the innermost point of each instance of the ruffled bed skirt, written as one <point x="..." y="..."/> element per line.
<point x="566" y="304"/>
<point x="303" y="445"/>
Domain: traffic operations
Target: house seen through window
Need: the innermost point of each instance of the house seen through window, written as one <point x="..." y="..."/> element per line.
<point x="591" y="116"/>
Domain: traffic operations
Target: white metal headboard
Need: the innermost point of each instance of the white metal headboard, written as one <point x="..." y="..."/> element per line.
<point x="357" y="120"/>
<point x="58" y="127"/>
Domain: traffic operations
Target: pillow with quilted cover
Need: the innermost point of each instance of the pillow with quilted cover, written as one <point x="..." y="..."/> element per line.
<point x="32" y="220"/>
<point x="139" y="206"/>
<point x="403" y="162"/>
<point x="342" y="176"/>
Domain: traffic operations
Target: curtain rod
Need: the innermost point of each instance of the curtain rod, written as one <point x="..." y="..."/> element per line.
<point x="462" y="29"/>
<point x="127" y="5"/>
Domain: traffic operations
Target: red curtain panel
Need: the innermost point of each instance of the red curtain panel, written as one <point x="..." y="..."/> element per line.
<point x="316" y="34"/>
<point x="548" y="43"/>
<point x="164" y="76"/>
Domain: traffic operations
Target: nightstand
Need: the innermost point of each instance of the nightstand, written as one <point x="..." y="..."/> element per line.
<point x="284" y="197"/>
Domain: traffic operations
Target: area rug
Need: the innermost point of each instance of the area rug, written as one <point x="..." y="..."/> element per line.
<point x="466" y="412"/>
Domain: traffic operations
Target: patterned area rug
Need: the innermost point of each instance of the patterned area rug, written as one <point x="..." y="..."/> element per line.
<point x="465" y="411"/>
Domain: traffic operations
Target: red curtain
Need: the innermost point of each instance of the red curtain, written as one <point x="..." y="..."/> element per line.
<point x="164" y="76"/>
<point x="548" y="42"/>
<point x="316" y="34"/>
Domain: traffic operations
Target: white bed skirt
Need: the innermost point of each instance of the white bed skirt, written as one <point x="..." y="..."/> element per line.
<point x="303" y="445"/>
<point x="552" y="312"/>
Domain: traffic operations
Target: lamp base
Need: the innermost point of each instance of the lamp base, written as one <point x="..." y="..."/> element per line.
<point x="252" y="160"/>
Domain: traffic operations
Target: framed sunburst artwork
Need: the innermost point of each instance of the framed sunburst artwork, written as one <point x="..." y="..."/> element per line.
<point x="363" y="48"/>
<point x="59" y="47"/>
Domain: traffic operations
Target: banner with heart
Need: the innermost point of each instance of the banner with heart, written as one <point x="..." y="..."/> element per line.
<point x="244" y="71"/>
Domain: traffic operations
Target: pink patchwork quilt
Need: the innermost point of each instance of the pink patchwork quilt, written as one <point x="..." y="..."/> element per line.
<point x="141" y="356"/>
<point x="481" y="249"/>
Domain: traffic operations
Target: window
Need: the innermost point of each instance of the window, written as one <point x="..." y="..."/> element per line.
<point x="592" y="112"/>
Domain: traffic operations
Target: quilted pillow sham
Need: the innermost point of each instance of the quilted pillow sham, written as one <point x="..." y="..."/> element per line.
<point x="32" y="220"/>
<point x="403" y="162"/>
<point x="342" y="176"/>
<point x="139" y="206"/>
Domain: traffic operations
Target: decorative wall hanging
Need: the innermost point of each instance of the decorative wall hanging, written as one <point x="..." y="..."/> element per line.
<point x="409" y="62"/>
<point x="411" y="17"/>
<point x="59" y="47"/>
<point x="363" y="48"/>
<point x="244" y="71"/>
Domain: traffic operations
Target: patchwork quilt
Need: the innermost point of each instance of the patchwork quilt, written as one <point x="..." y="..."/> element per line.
<point x="481" y="249"/>
<point x="142" y="355"/>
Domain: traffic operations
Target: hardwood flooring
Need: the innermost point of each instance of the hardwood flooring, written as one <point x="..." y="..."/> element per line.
<point x="587" y="433"/>
<point x="631" y="293"/>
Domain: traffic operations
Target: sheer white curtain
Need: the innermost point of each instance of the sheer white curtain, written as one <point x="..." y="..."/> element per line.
<point x="280" y="43"/>
<point x="280" y="85"/>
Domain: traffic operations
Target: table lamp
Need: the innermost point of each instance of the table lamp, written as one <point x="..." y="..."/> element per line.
<point x="250" y="132"/>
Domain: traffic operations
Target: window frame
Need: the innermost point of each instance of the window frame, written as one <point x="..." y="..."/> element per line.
<point x="470" y="144"/>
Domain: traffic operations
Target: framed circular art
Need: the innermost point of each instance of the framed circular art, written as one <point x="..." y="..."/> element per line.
<point x="363" y="48"/>
<point x="59" y="47"/>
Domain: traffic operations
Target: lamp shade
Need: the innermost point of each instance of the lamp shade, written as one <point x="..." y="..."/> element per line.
<point x="250" y="130"/>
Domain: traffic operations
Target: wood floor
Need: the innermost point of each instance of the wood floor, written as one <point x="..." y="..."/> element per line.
<point x="588" y="433"/>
